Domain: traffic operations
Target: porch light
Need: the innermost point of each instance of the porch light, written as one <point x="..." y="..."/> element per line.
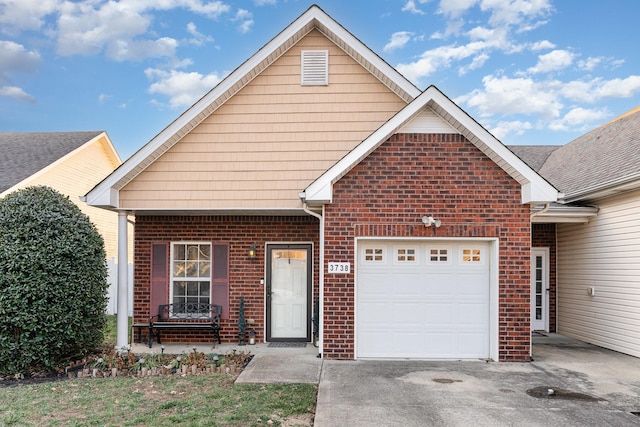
<point x="252" y="251"/>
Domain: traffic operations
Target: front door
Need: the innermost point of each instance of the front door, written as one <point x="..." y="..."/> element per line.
<point x="289" y="292"/>
<point x="540" y="289"/>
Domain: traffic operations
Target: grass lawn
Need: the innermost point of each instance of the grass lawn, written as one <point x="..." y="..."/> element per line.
<point x="203" y="400"/>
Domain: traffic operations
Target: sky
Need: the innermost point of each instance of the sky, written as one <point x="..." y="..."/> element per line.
<point x="530" y="71"/>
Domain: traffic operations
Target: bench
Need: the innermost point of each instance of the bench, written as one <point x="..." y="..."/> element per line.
<point x="183" y="316"/>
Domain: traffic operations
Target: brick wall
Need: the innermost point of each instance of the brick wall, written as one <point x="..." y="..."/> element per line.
<point x="544" y="236"/>
<point x="244" y="274"/>
<point x="387" y="194"/>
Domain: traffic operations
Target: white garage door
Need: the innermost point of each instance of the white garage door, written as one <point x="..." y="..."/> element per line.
<point x="422" y="299"/>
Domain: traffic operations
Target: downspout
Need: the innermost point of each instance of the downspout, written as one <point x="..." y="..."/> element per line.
<point x="547" y="206"/>
<point x="321" y="275"/>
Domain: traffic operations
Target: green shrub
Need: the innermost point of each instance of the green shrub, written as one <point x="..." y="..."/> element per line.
<point x="53" y="281"/>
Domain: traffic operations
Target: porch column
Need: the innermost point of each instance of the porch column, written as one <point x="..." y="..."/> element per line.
<point x="123" y="285"/>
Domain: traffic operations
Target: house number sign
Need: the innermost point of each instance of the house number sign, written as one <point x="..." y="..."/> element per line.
<point x="339" y="268"/>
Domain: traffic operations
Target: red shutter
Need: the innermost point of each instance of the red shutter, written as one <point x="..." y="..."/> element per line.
<point x="220" y="279"/>
<point x="159" y="276"/>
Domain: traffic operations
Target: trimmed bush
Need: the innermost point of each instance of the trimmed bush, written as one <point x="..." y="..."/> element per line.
<point x="53" y="281"/>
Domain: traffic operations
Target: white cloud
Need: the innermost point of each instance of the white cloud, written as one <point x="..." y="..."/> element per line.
<point x="15" y="58"/>
<point x="439" y="58"/>
<point x="515" y="127"/>
<point x="518" y="13"/>
<point x="579" y="118"/>
<point x="264" y="2"/>
<point x="597" y="89"/>
<point x="410" y="6"/>
<point x="398" y="40"/>
<point x="121" y="50"/>
<point x="590" y="63"/>
<point x="503" y="95"/>
<point x="182" y="88"/>
<point x="552" y="61"/>
<point x="103" y="97"/>
<point x="16" y="93"/>
<point x="542" y="45"/>
<point x="198" y="38"/>
<point x="20" y="15"/>
<point x="476" y="63"/>
<point x="246" y="20"/>
<point x="121" y="28"/>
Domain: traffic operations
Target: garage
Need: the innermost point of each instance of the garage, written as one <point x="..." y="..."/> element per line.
<point x="423" y="299"/>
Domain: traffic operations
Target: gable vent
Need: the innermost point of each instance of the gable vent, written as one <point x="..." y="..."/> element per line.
<point x="315" y="68"/>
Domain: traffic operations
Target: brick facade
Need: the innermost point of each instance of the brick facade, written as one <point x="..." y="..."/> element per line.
<point x="387" y="194"/>
<point x="544" y="236"/>
<point x="244" y="274"/>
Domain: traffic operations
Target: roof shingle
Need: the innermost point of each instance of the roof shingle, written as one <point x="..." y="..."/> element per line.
<point x="22" y="154"/>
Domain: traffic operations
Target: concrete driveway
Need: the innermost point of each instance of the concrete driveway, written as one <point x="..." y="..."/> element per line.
<point x="569" y="383"/>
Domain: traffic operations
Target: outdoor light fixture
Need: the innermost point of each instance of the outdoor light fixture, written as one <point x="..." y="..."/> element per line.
<point x="252" y="251"/>
<point x="429" y="221"/>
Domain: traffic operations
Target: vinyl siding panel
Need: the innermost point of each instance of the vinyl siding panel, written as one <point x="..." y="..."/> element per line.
<point x="604" y="254"/>
<point x="270" y="140"/>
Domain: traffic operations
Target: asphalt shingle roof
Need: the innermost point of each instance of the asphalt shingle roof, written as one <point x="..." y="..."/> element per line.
<point x="534" y="155"/>
<point x="22" y="154"/>
<point x="604" y="155"/>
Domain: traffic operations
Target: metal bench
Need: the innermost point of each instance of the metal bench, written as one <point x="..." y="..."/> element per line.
<point x="183" y="316"/>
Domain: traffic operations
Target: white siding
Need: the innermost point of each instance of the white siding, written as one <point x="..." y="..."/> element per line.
<point x="605" y="255"/>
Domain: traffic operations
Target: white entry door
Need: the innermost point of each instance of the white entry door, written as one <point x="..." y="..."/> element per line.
<point x="288" y="292"/>
<point x="540" y="289"/>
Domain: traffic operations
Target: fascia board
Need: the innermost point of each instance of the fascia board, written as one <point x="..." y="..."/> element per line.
<point x="535" y="189"/>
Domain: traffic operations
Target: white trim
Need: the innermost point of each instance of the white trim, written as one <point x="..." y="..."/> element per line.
<point x="535" y="189"/>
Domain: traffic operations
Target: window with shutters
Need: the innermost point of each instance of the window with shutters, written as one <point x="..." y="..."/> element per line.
<point x="190" y="274"/>
<point x="314" y="68"/>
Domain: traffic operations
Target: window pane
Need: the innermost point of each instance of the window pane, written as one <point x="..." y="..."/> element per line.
<point x="178" y="252"/>
<point x="179" y="288"/>
<point x="192" y="252"/>
<point x="192" y="289"/>
<point x="192" y="269"/>
<point x="205" y="252"/>
<point x="205" y="269"/>
<point x="179" y="269"/>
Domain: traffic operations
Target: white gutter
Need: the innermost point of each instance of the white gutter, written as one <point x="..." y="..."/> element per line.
<point x="321" y="275"/>
<point x="547" y="206"/>
<point x="626" y="183"/>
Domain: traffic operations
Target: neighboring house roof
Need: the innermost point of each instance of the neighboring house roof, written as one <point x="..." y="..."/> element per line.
<point x="105" y="194"/>
<point x="534" y="188"/>
<point x="26" y="153"/>
<point x="534" y="155"/>
<point x="599" y="163"/>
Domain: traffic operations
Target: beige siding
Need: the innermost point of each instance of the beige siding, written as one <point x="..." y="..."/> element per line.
<point x="270" y="140"/>
<point x="604" y="254"/>
<point x="75" y="175"/>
